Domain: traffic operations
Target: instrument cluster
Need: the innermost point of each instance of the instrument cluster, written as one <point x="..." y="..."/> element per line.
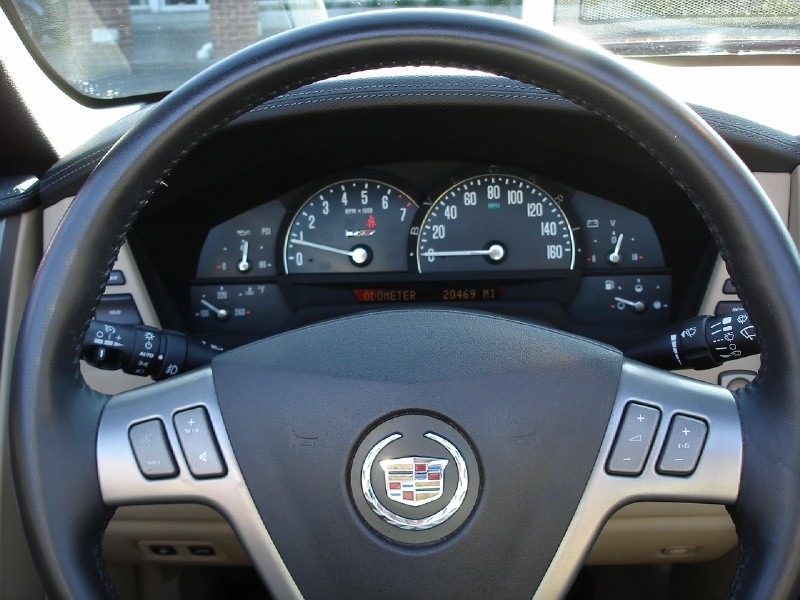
<point x="492" y="234"/>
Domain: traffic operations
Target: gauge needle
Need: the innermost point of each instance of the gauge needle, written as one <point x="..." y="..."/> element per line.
<point x="614" y="258"/>
<point x="221" y="313"/>
<point x="494" y="252"/>
<point x="637" y="306"/>
<point x="358" y="255"/>
<point x="244" y="264"/>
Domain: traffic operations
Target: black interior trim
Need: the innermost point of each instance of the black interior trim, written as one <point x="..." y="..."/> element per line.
<point x="25" y="149"/>
<point x="18" y="194"/>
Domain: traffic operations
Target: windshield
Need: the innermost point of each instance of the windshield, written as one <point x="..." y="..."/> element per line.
<point x="110" y="49"/>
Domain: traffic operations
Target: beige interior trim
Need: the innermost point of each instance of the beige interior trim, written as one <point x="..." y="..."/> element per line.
<point x="652" y="533"/>
<point x="794" y="206"/>
<point x="18" y="577"/>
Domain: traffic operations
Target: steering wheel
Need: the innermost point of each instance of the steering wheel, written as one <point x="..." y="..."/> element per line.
<point x="400" y="453"/>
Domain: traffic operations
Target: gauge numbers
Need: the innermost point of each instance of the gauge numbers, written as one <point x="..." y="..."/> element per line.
<point x="494" y="222"/>
<point x="351" y="226"/>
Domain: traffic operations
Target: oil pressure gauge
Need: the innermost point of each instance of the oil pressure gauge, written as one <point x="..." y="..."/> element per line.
<point x="243" y="246"/>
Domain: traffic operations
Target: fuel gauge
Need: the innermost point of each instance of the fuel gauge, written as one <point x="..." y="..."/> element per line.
<point x="623" y="299"/>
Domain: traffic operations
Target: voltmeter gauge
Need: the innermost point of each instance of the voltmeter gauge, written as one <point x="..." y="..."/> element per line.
<point x="614" y="237"/>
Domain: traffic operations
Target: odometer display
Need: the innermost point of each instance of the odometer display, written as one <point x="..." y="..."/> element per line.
<point x="492" y="223"/>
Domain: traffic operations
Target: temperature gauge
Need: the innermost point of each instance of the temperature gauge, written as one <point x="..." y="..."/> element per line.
<point x="236" y="307"/>
<point x="623" y="299"/>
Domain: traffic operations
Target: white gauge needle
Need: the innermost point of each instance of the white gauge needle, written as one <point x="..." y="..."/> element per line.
<point x="221" y="313"/>
<point x="637" y="306"/>
<point x="614" y="258"/>
<point x="244" y="264"/>
<point x="495" y="252"/>
<point x="358" y="255"/>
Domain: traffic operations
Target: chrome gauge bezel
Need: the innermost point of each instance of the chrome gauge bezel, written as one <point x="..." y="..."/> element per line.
<point x="429" y="206"/>
<point x="310" y="196"/>
<point x="571" y="283"/>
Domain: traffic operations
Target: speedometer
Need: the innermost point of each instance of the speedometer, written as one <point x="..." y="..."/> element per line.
<point x="351" y="226"/>
<point x="494" y="222"/>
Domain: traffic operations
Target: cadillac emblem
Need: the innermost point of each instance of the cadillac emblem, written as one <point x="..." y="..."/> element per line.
<point x="413" y="480"/>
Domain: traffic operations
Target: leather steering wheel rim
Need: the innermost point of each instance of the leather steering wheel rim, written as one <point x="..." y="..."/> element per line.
<point x="53" y="410"/>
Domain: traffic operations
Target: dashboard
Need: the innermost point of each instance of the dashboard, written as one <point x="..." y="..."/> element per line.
<point x="548" y="214"/>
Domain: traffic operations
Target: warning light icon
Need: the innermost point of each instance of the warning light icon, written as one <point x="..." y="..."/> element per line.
<point x="371" y="224"/>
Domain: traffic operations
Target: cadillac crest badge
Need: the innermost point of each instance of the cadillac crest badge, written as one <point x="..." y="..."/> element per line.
<point x="414" y="480"/>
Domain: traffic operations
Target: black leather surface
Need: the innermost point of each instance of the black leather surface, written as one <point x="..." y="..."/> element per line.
<point x="759" y="146"/>
<point x="15" y="199"/>
<point x="503" y="383"/>
<point x="763" y="261"/>
<point x="65" y="177"/>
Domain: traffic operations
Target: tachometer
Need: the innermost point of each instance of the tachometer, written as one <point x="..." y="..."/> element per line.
<point x="351" y="226"/>
<point x="494" y="222"/>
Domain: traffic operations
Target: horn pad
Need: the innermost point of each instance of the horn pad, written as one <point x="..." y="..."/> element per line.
<point x="525" y="407"/>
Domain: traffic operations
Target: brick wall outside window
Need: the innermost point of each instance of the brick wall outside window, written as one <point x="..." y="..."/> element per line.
<point x="234" y="25"/>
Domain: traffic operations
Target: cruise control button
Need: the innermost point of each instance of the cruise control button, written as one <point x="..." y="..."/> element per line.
<point x="151" y="449"/>
<point x="634" y="439"/>
<point x="199" y="444"/>
<point x="683" y="446"/>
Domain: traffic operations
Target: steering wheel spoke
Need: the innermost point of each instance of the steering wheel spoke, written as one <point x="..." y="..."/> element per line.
<point x="669" y="438"/>
<point x="167" y="443"/>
